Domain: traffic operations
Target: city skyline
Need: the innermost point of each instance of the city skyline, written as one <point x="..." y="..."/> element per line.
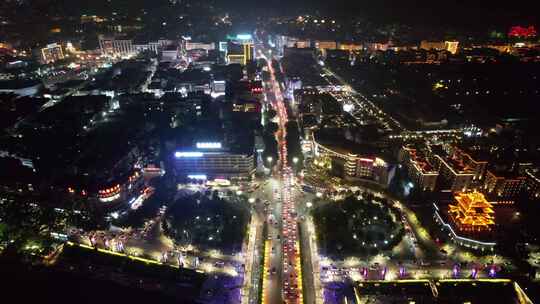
<point x="308" y="152"/>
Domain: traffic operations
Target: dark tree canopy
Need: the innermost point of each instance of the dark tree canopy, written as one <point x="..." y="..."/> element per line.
<point x="208" y="222"/>
<point x="353" y="226"/>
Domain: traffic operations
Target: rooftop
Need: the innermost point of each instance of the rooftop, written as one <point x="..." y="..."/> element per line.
<point x="419" y="158"/>
<point x="303" y="66"/>
<point x="334" y="139"/>
<point x="448" y="291"/>
<point x="456" y="161"/>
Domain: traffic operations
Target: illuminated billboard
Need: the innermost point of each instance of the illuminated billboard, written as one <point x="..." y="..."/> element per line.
<point x="197" y="176"/>
<point x="240" y="37"/>
<point x="244" y="37"/>
<point x="208" y="145"/>
<point x="188" y="154"/>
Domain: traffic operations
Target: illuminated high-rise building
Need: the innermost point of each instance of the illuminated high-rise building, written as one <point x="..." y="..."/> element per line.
<point x="112" y="46"/>
<point x="451" y="46"/>
<point x="457" y="168"/>
<point x="503" y="185"/>
<point x="124" y="46"/>
<point x="240" y="53"/>
<point x="51" y="53"/>
<point x="240" y="49"/>
<point x="420" y="169"/>
<point x="212" y="160"/>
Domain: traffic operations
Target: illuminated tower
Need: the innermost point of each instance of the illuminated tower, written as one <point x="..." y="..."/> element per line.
<point x="472" y="212"/>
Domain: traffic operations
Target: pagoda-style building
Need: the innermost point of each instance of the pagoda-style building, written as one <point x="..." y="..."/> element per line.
<point x="471" y="212"/>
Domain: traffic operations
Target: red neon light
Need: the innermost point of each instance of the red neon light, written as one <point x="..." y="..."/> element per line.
<point x="256" y="90"/>
<point x="153" y="169"/>
<point x="522" y="32"/>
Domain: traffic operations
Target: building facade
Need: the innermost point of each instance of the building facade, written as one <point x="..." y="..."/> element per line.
<point x="356" y="166"/>
<point x="458" y="170"/>
<point x="240" y="52"/>
<point x="113" y="46"/>
<point x="51" y="53"/>
<point x="210" y="160"/>
<point x="478" y="166"/>
<point x="450" y="46"/>
<point x="325" y="45"/>
<point x="116" y="47"/>
<point x="122" y="189"/>
<point x="191" y="45"/>
<point x="457" y="178"/>
<point x="419" y="168"/>
<point x="501" y="187"/>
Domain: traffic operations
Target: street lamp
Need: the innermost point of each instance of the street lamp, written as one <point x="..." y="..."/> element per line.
<point x="269" y="159"/>
<point x="295" y="160"/>
<point x="251" y="200"/>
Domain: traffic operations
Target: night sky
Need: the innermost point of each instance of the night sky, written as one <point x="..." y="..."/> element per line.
<point x="460" y="13"/>
<point x="452" y="12"/>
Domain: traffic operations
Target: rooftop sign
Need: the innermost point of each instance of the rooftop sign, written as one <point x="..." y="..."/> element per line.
<point x="208" y="145"/>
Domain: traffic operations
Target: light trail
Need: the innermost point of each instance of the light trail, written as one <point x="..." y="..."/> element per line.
<point x="292" y="278"/>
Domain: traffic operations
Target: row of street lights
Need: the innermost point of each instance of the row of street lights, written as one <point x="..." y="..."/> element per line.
<point x="270" y="159"/>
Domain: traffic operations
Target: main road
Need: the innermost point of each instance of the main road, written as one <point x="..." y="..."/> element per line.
<point x="284" y="275"/>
